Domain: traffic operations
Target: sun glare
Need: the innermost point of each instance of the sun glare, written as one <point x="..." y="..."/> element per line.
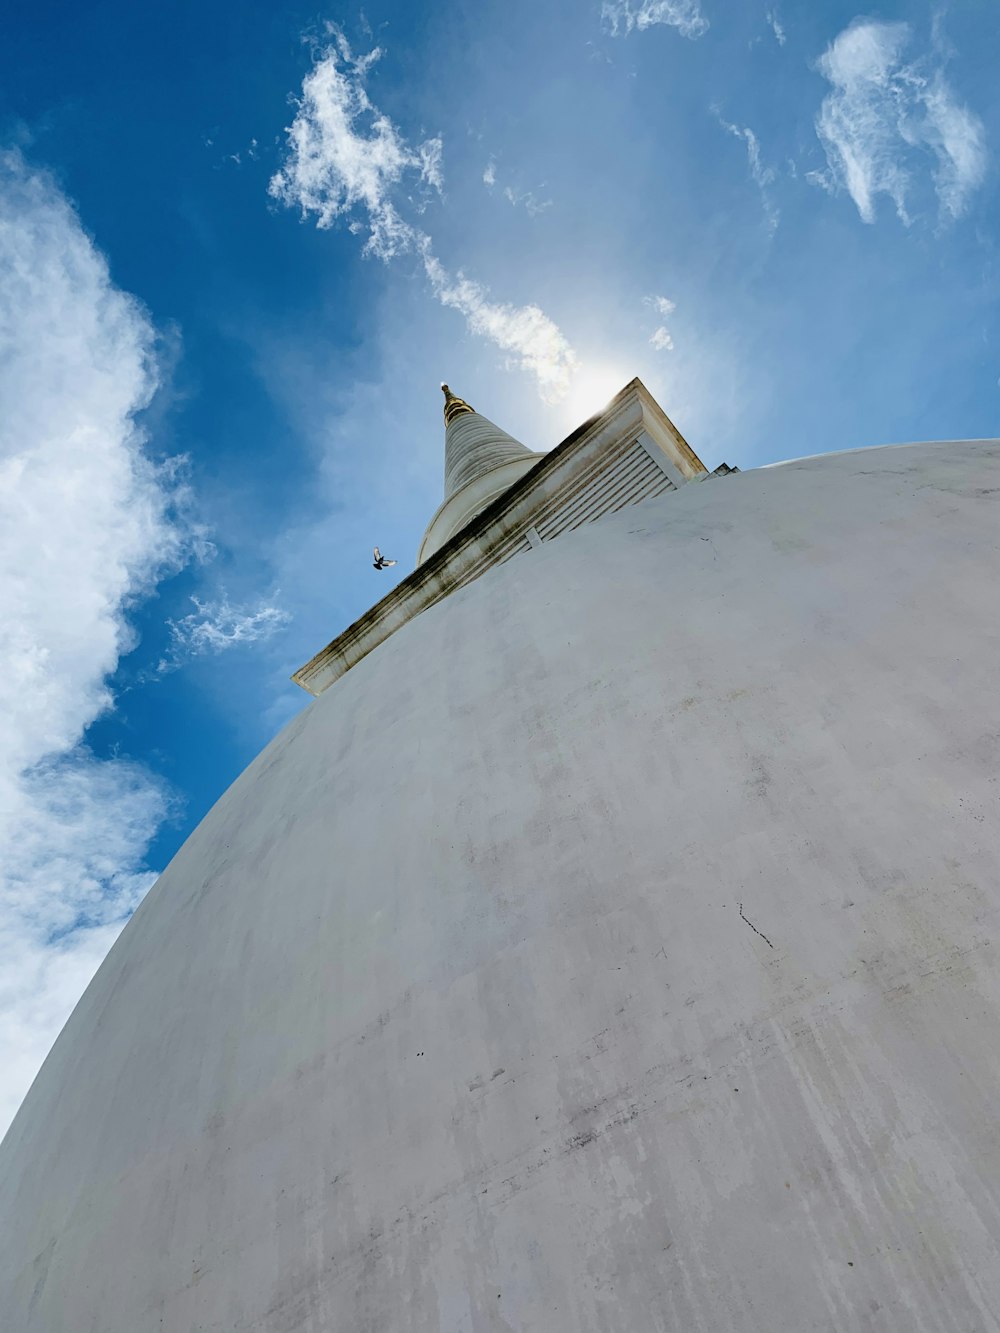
<point x="592" y="388"/>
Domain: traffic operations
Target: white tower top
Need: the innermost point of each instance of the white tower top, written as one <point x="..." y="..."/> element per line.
<point x="501" y="501"/>
<point x="481" y="461"/>
<point x="473" y="445"/>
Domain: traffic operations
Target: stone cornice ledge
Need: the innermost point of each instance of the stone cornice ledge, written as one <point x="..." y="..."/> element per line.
<point x="499" y="528"/>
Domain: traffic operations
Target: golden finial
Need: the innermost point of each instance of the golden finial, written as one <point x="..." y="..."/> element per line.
<point x="453" y="407"/>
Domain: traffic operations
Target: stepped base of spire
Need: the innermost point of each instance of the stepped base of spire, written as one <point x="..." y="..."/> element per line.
<point x="472" y="499"/>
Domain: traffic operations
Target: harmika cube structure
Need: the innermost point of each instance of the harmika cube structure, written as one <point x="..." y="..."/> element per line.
<point x="611" y="946"/>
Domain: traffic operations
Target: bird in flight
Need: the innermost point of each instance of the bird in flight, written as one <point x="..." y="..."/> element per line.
<point x="380" y="561"/>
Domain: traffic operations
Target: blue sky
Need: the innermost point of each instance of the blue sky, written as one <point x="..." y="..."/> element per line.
<point x="242" y="244"/>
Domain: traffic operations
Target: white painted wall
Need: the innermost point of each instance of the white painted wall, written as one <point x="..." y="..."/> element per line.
<point x="448" y="1016"/>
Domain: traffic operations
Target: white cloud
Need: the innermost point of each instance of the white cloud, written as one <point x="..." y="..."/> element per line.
<point x="531" y="203"/>
<point x="212" y="627"/>
<point x="74" y="845"/>
<point x="660" y="339"/>
<point x="763" y="177"/>
<point x="516" y="198"/>
<point x="536" y="344"/>
<point x="344" y="154"/>
<point x="661" y="304"/>
<point x="684" y="15"/>
<point x="885" y="114"/>
<point x="431" y="154"/>
<point x="776" y="27"/>
<point x="87" y="526"/>
<point x="345" y="159"/>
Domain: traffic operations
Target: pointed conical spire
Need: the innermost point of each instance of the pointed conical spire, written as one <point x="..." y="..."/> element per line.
<point x="453" y="407"/>
<point x="480" y="462"/>
<point x="473" y="446"/>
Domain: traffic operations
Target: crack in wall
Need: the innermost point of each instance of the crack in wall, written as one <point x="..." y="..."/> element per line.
<point x="755" y="930"/>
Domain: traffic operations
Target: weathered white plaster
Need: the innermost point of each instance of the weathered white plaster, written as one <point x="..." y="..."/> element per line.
<point x="612" y="949"/>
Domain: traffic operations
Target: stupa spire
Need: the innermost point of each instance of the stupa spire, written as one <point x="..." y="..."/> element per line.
<point x="480" y="461"/>
<point x="453" y="406"/>
<point x="473" y="446"/>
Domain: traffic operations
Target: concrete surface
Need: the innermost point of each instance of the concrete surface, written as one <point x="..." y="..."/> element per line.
<point x="612" y="949"/>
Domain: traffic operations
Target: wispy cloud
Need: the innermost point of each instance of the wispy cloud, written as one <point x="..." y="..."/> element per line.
<point x="213" y="627"/>
<point x="776" y="26"/>
<point x="344" y="156"/>
<point x="251" y="153"/>
<point x="660" y="339"/>
<point x="533" y="341"/>
<point x="527" y="200"/>
<point x="75" y="843"/>
<point x="87" y="526"/>
<point x="431" y="154"/>
<point x="661" y="304"/>
<point x="884" y="117"/>
<point x="346" y="160"/>
<point x="621" y="16"/>
<point x="763" y="177"/>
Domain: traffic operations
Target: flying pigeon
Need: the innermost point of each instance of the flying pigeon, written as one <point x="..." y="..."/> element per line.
<point x="380" y="560"/>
